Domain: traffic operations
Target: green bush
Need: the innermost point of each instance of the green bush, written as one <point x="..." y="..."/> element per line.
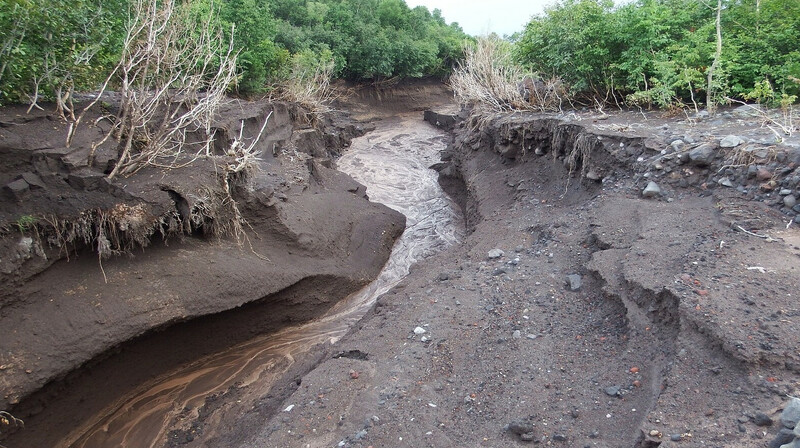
<point x="659" y="51"/>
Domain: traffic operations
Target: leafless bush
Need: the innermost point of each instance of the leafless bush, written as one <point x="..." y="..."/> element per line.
<point x="489" y="78"/>
<point x="310" y="85"/>
<point x="173" y="74"/>
<point x="786" y="123"/>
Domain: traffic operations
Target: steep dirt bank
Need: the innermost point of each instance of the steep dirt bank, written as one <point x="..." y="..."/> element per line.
<point x="310" y="238"/>
<point x="581" y="311"/>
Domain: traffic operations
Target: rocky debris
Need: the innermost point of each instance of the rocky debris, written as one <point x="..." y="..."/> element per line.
<point x="523" y="430"/>
<point x="785" y="436"/>
<point x="791" y="414"/>
<point x="762" y="419"/>
<point x="730" y="141"/>
<point x="495" y="253"/>
<point x="703" y="155"/>
<point x="574" y="282"/>
<point x="652" y="190"/>
<point x="726" y="182"/>
<point x="613" y="391"/>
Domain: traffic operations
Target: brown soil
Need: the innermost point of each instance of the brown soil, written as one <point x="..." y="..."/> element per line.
<point x="684" y="327"/>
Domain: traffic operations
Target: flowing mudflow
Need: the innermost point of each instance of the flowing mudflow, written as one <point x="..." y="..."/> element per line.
<point x="393" y="162"/>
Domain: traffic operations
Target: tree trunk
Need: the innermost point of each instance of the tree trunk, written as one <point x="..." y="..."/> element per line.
<point x="710" y="106"/>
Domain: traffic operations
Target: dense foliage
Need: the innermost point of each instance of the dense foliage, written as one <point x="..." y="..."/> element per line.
<point x="52" y="46"/>
<point x="659" y="51"/>
<point x="370" y="38"/>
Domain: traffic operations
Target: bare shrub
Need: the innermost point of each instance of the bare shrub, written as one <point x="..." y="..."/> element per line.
<point x="174" y="72"/>
<point x="489" y="78"/>
<point x="309" y="83"/>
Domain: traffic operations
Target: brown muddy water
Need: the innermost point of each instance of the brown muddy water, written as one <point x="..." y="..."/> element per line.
<point x="393" y="162"/>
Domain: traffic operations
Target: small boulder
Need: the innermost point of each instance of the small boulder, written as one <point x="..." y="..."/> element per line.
<point x="703" y="155"/>
<point x="495" y="253"/>
<point x="763" y="174"/>
<point x="725" y="182"/>
<point x="612" y="391"/>
<point x="791" y="414"/>
<point x="783" y="437"/>
<point x="731" y="141"/>
<point x="652" y="190"/>
<point x="574" y="282"/>
<point x="762" y="419"/>
<point x="789" y="201"/>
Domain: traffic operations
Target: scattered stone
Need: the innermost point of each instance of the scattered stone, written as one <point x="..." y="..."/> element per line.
<point x="791" y="414"/>
<point x="559" y="437"/>
<point x="703" y="155"/>
<point x="677" y="145"/>
<point x="289" y="408"/>
<point x="789" y="201"/>
<point x="531" y="336"/>
<point x="353" y="375"/>
<point x="652" y="190"/>
<point x="592" y="175"/>
<point x="574" y="282"/>
<point x="783" y="437"/>
<point x="495" y="253"/>
<point x="731" y="141"/>
<point x="575" y="413"/>
<point x="419" y="331"/>
<point x="725" y="182"/>
<point x="612" y="391"/>
<point x="763" y="174"/>
<point x="676" y="437"/>
<point x="517" y="334"/>
<point x="762" y="419"/>
<point x="443" y="276"/>
<point x="785" y="192"/>
<point x="655" y="433"/>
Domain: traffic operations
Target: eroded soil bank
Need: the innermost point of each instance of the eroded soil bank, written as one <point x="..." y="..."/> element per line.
<point x="579" y="312"/>
<point x="187" y="283"/>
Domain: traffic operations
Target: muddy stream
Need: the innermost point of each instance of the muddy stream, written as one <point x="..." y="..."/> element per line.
<point x="392" y="162"/>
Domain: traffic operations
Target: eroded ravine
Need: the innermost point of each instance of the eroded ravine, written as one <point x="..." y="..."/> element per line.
<point x="393" y="162"/>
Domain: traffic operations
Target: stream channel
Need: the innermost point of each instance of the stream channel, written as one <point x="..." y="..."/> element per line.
<point x="393" y="162"/>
